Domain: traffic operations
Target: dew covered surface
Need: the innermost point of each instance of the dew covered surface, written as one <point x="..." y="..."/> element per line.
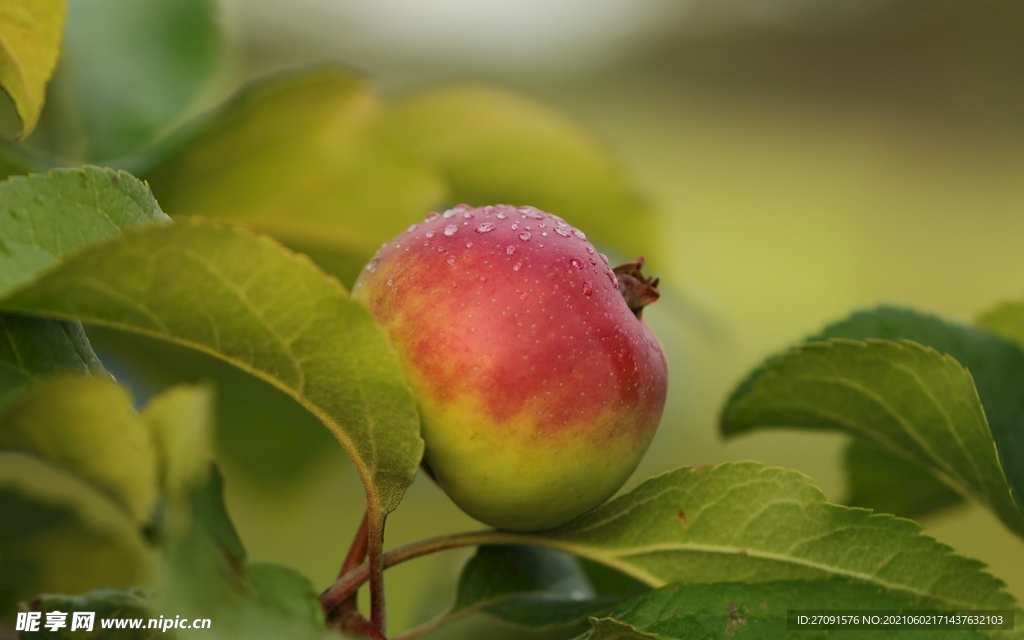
<point x="514" y="311"/>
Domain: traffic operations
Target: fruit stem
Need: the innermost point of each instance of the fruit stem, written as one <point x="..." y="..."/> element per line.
<point x="638" y="290"/>
<point x="346" y="616"/>
<point x="357" y="552"/>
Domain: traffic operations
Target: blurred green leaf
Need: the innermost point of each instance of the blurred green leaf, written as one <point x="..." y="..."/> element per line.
<point x="263" y="434"/>
<point x="30" y="35"/>
<point x="43" y="217"/>
<point x="995" y="365"/>
<point x="180" y="421"/>
<point x="879" y="480"/>
<point x="127" y="604"/>
<point x="906" y="398"/>
<point x="34" y="347"/>
<point x="244" y="298"/>
<point x="739" y="610"/>
<point x="529" y="587"/>
<point x="206" y="574"/>
<point x="495" y="146"/>
<point x="287" y="590"/>
<point x="300" y="157"/>
<point x="128" y="72"/>
<point x="1006" y="319"/>
<point x="87" y="426"/>
<point x="742" y="521"/>
<point x="61" y="534"/>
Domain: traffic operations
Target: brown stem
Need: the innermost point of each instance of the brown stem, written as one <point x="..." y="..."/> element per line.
<point x="357" y="552"/>
<point x="375" y="561"/>
<point x="354" y="624"/>
<point x="346" y="615"/>
<point x="349" y="583"/>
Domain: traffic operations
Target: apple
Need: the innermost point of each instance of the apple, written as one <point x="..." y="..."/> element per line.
<point x="539" y="384"/>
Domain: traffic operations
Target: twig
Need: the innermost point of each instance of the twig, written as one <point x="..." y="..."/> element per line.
<point x="349" y="583"/>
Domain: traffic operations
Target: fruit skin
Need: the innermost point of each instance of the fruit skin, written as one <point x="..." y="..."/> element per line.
<point x="539" y="389"/>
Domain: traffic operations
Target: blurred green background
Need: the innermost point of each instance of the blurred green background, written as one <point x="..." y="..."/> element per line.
<point x="803" y="160"/>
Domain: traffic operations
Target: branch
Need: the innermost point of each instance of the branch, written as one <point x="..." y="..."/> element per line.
<point x="349" y="583"/>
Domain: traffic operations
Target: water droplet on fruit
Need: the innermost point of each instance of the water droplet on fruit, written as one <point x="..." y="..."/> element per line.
<point x="517" y="266"/>
<point x="562" y="230"/>
<point x="611" y="276"/>
<point x="604" y="257"/>
<point x="531" y="212"/>
<point x="485" y="227"/>
<point x="522" y="296"/>
<point x="450" y="259"/>
<point x="501" y="215"/>
<point x="433" y="216"/>
<point x="451" y="230"/>
<point x="579" y="234"/>
<point x="426" y="243"/>
<point x="515" y="226"/>
<point x="544" y="233"/>
<point x="440" y="249"/>
<point x="510" y="250"/>
<point x="483" y="278"/>
<point x="449" y="213"/>
<point x="429" y="234"/>
<point x="587" y="289"/>
<point x="391" y="282"/>
<point x="469" y="244"/>
<point x="525" y="236"/>
<point x="412" y="227"/>
<point x="576" y="263"/>
<point x="590" y="250"/>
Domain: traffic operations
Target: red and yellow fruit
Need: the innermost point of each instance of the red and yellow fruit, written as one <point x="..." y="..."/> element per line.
<point x="539" y="386"/>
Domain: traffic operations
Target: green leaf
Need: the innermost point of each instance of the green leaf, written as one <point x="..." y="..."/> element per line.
<point x="495" y="146"/>
<point x="245" y="299"/>
<point x="180" y="421"/>
<point x="286" y="590"/>
<point x="68" y="537"/>
<point x="88" y="427"/>
<point x="908" y="399"/>
<point x="885" y="482"/>
<point x="529" y="587"/>
<point x="744" y="522"/>
<point x="995" y="365"/>
<point x="129" y="71"/>
<point x="43" y="217"/>
<point x="205" y="573"/>
<point x="263" y="434"/>
<point x="30" y="34"/>
<point x="612" y="629"/>
<point x="127" y="604"/>
<point x="34" y="347"/>
<point x="738" y="610"/>
<point x="1006" y="319"/>
<point x="301" y="158"/>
